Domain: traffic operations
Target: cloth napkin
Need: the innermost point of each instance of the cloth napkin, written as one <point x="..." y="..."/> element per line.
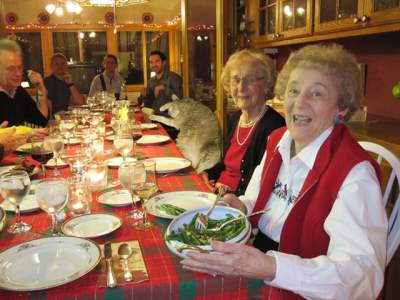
<point x="135" y="263"/>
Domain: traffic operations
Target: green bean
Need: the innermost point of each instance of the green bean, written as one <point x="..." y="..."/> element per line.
<point x="170" y="209"/>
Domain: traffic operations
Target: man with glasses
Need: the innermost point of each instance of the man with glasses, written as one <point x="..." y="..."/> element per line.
<point x="17" y="107"/>
<point x="61" y="89"/>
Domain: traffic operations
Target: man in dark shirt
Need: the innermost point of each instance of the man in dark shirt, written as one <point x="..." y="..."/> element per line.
<point x="161" y="87"/>
<point x="61" y="88"/>
<point x="16" y="105"/>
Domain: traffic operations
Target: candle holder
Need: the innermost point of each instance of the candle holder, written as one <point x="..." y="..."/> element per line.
<point x="80" y="198"/>
<point x="96" y="175"/>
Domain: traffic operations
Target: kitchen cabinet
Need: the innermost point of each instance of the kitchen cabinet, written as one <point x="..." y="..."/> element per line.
<point x="283" y="19"/>
<point x="339" y="15"/>
<point x="285" y="22"/>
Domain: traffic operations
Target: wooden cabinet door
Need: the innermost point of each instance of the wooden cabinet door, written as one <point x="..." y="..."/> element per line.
<point x="295" y="18"/>
<point x="378" y="12"/>
<point x="267" y="19"/>
<point x="337" y="15"/>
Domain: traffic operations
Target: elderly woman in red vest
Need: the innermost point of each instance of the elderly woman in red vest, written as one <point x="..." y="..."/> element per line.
<point x="324" y="236"/>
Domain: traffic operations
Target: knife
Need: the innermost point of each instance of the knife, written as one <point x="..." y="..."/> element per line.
<point x="111" y="280"/>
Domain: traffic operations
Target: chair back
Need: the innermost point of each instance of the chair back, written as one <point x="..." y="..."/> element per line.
<point x="392" y="188"/>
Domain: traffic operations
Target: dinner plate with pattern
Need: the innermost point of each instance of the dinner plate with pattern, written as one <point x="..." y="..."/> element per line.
<point x="166" y="165"/>
<point x="186" y="200"/>
<point x="148" y="125"/>
<point x="117" y="198"/>
<point x="47" y="262"/>
<point x="91" y="226"/>
<point x="152" y="139"/>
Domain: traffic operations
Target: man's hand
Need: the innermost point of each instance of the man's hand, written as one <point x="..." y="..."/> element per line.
<point x="67" y="77"/>
<point x="233" y="201"/>
<point x="232" y="260"/>
<point x="209" y="182"/>
<point x="12" y="141"/>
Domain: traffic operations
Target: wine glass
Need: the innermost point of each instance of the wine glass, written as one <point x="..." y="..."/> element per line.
<point x="124" y="144"/>
<point x="132" y="176"/>
<point x="14" y="186"/>
<point x="136" y="132"/>
<point x="148" y="189"/>
<point x="66" y="127"/>
<point x="56" y="144"/>
<point x="52" y="196"/>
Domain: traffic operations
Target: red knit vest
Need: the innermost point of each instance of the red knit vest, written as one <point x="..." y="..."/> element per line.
<point x="303" y="233"/>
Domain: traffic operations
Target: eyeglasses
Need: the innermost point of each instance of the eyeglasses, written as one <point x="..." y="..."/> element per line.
<point x="248" y="80"/>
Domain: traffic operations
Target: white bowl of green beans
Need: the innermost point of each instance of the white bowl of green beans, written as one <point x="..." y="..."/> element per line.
<point x="181" y="235"/>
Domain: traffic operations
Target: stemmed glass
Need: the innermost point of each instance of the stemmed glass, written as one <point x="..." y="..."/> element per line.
<point x="136" y="132"/>
<point x="66" y="127"/>
<point x="14" y="186"/>
<point x="148" y="189"/>
<point x="56" y="144"/>
<point x="124" y="144"/>
<point x="52" y="196"/>
<point x="132" y="176"/>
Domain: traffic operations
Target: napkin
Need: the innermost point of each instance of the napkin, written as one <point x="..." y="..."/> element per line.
<point x="135" y="263"/>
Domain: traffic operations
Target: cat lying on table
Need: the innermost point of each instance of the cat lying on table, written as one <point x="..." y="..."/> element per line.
<point x="199" y="136"/>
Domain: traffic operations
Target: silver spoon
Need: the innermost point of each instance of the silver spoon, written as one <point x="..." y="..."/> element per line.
<point x="124" y="252"/>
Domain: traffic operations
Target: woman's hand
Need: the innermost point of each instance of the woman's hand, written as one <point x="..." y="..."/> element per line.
<point x="38" y="133"/>
<point x="233" y="201"/>
<point x="12" y="141"/>
<point x="235" y="260"/>
<point x="210" y="183"/>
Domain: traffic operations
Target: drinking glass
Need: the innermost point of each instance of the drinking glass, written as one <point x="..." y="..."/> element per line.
<point x="52" y="196"/>
<point x="132" y="176"/>
<point x="66" y="127"/>
<point x="148" y="189"/>
<point x="56" y="144"/>
<point x="136" y="132"/>
<point x="123" y="143"/>
<point x="14" y="186"/>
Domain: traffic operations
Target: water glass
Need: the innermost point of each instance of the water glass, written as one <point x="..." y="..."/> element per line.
<point x="132" y="176"/>
<point x="14" y="186"/>
<point x="123" y="143"/>
<point x="52" y="196"/>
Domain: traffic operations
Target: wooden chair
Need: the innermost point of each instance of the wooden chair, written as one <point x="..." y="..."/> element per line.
<point x="392" y="186"/>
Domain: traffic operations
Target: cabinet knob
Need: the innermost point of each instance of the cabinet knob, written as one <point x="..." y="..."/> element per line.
<point x="364" y="19"/>
<point x="356" y="20"/>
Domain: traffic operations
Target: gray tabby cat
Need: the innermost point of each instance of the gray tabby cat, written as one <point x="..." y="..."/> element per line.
<point x="199" y="136"/>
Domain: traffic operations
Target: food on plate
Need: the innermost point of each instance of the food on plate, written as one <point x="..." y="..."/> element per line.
<point x="170" y="209"/>
<point x="28" y="167"/>
<point x="192" y="236"/>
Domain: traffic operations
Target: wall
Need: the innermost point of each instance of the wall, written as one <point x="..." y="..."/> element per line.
<point x="381" y="54"/>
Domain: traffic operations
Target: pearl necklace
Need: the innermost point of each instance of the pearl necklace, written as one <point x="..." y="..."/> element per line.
<point x="249" y="124"/>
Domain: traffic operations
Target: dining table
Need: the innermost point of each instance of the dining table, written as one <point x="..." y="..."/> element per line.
<point x="166" y="277"/>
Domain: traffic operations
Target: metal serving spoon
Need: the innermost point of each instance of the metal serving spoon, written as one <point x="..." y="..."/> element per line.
<point x="124" y="252"/>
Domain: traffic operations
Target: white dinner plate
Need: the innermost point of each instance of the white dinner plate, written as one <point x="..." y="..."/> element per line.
<point x="72" y="141"/>
<point x="90" y="226"/>
<point x="115" y="162"/>
<point x="116" y="198"/>
<point x="148" y="125"/>
<point x="28" y="204"/>
<point x="4" y="169"/>
<point x="170" y="164"/>
<point x="219" y="212"/>
<point x="48" y="262"/>
<point x="27" y="148"/>
<point x="60" y="163"/>
<point x="153" y="139"/>
<point x="110" y="138"/>
<point x="188" y="200"/>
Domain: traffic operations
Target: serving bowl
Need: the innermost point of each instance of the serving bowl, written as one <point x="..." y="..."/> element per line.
<point x="220" y="212"/>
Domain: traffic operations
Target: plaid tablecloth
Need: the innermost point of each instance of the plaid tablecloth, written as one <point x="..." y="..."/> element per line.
<point x="167" y="279"/>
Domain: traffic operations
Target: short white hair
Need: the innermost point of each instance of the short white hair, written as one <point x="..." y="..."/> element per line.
<point x="10" y="46"/>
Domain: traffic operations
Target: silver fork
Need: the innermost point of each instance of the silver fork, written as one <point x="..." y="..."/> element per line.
<point x="218" y="228"/>
<point x="201" y="222"/>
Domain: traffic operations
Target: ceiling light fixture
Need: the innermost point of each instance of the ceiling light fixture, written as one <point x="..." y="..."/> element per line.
<point x="58" y="6"/>
<point x="110" y="2"/>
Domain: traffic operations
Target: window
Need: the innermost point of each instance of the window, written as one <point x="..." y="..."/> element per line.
<point x="157" y="40"/>
<point x="130" y="56"/>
